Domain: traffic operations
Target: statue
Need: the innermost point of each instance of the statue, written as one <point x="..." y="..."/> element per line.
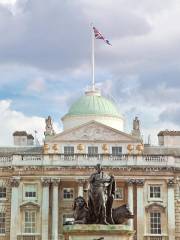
<point x="101" y="196"/>
<point x="49" y="127"/>
<point x="136" y="124"/>
<point x="100" y="200"/>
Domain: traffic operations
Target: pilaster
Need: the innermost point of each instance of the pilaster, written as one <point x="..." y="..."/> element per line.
<point x="171" y="209"/>
<point x="45" y="207"/>
<point x="15" y="181"/>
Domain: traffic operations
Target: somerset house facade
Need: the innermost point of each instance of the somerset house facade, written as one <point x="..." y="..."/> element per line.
<point x="38" y="184"/>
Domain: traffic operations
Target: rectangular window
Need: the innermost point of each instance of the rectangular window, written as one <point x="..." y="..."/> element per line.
<point x="68" y="193"/>
<point x="2" y="223"/>
<point x="92" y="150"/>
<point x="30" y="191"/>
<point x="155" y="191"/>
<point x="155" y="222"/>
<point x="116" y="151"/>
<point x="30" y="221"/>
<point x="2" y="192"/>
<point x="69" y="150"/>
<point x="119" y="194"/>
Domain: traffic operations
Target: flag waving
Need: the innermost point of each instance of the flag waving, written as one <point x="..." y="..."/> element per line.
<point x="98" y="35"/>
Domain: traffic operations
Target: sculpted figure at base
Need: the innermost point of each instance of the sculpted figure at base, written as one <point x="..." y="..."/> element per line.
<point x="100" y="200"/>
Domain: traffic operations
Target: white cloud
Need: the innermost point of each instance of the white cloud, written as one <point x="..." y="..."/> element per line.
<point x="13" y="120"/>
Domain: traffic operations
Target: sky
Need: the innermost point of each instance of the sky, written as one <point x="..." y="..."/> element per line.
<point x="45" y="61"/>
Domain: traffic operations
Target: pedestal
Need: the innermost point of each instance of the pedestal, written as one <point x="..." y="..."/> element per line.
<point x="97" y="232"/>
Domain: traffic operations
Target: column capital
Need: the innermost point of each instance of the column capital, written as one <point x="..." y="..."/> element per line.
<point x="45" y="182"/>
<point x="15" y="181"/>
<point x="81" y="181"/>
<point x="131" y="181"/>
<point x="55" y="181"/>
<point x="139" y="182"/>
<point x="170" y="183"/>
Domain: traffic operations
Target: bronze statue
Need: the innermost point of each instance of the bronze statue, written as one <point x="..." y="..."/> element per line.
<point x="101" y="196"/>
<point x="100" y="200"/>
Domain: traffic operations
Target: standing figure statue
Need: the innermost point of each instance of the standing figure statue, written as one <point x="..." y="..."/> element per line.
<point x="49" y="127"/>
<point x="101" y="195"/>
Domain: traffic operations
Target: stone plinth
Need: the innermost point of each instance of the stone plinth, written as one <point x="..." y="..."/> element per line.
<point x="97" y="232"/>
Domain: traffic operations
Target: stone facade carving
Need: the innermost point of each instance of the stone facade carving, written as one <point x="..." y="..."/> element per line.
<point x="55" y="181"/>
<point x="14" y="182"/>
<point x="94" y="131"/>
<point x="171" y="182"/>
<point x="45" y="182"/>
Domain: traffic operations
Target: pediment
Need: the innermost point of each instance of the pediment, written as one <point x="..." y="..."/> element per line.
<point x="93" y="131"/>
<point x="29" y="204"/>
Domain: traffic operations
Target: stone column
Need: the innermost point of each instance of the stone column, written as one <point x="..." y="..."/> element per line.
<point x="14" y="208"/>
<point x="140" y="209"/>
<point x="131" y="202"/>
<point x="171" y="209"/>
<point x="80" y="187"/>
<point x="55" y="208"/>
<point x="45" y="208"/>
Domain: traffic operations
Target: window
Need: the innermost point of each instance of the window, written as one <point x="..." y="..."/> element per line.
<point x="68" y="193"/>
<point x="116" y="151"/>
<point x="92" y="150"/>
<point x="69" y="150"/>
<point x="30" y="191"/>
<point x="2" y="223"/>
<point x="30" y="221"/>
<point x="155" y="191"/>
<point x="119" y="194"/>
<point x="155" y="222"/>
<point x="2" y="192"/>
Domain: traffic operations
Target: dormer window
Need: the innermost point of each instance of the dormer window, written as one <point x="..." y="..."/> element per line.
<point x="68" y="150"/>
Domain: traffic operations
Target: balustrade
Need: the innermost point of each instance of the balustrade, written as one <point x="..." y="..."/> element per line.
<point x="156" y="238"/>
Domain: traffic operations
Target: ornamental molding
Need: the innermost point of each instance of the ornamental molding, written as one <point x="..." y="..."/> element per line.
<point x="55" y="181"/>
<point x="15" y="181"/>
<point x="171" y="182"/>
<point x="30" y="205"/>
<point x="140" y="182"/>
<point x="45" y="182"/>
<point x="155" y="206"/>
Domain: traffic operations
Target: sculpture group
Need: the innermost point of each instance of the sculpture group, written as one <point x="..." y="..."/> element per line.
<point x="100" y="200"/>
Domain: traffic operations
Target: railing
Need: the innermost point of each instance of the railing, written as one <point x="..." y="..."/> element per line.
<point x="30" y="237"/>
<point x="123" y="160"/>
<point x="156" y="238"/>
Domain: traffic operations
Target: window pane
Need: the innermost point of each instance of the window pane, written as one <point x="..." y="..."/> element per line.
<point x="30" y="190"/>
<point x="155" y="220"/>
<point x="155" y="192"/>
<point x="116" y="151"/>
<point x="68" y="193"/>
<point x="92" y="150"/>
<point x="30" y="222"/>
<point x="69" y="150"/>
<point x="2" y="222"/>
<point x="2" y="192"/>
<point x="119" y="193"/>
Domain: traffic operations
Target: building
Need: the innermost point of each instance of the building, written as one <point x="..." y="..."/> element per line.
<point x="38" y="184"/>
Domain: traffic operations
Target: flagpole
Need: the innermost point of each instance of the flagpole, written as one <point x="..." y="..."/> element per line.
<point x="93" y="79"/>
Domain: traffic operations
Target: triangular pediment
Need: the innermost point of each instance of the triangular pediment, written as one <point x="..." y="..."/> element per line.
<point x="93" y="131"/>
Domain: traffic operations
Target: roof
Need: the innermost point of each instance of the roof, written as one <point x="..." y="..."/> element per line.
<point x="30" y="136"/>
<point x="169" y="133"/>
<point x="92" y="103"/>
<point x="20" y="133"/>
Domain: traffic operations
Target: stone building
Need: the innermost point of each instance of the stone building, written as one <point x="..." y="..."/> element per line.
<point x="38" y="184"/>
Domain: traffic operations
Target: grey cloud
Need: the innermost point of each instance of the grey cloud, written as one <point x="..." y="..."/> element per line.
<point x="171" y="115"/>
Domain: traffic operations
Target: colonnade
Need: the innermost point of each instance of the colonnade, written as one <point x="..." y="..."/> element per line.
<point x="55" y="207"/>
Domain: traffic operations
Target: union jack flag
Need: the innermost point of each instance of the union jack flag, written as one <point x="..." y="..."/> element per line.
<point x="98" y="35"/>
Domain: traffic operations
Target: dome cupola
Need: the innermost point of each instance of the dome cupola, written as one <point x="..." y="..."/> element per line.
<point x="93" y="106"/>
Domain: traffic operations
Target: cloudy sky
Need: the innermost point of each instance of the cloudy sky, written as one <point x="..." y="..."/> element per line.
<point x="45" y="61"/>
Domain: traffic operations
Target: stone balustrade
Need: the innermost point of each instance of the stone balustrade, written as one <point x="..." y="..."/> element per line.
<point x="123" y="160"/>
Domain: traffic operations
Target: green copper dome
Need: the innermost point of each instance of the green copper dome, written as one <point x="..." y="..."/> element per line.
<point x="93" y="104"/>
